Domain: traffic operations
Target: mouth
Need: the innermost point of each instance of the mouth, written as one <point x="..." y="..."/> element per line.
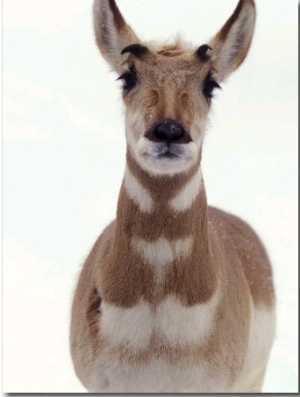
<point x="166" y="157"/>
<point x="167" y="151"/>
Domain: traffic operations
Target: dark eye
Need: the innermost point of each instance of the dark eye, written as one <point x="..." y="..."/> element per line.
<point x="209" y="85"/>
<point x="129" y="79"/>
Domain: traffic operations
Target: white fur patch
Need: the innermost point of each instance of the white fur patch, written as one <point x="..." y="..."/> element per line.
<point x="175" y="324"/>
<point x="130" y="327"/>
<point x="156" y="376"/>
<point x="181" y="325"/>
<point x="172" y="321"/>
<point x="138" y="194"/>
<point x="188" y="194"/>
<point x="162" y="251"/>
<point x="261" y="337"/>
<point x="148" y="154"/>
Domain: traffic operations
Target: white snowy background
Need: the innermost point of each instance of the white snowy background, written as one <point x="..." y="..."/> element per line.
<point x="64" y="152"/>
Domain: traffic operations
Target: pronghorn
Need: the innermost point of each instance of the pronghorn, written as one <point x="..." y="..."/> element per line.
<point x="175" y="296"/>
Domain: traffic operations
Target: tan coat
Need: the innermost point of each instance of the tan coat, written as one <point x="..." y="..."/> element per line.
<point x="175" y="296"/>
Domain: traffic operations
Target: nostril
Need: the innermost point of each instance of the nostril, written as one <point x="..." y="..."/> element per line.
<point x="169" y="131"/>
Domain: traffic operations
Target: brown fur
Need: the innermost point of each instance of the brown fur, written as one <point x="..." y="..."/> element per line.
<point x="227" y="257"/>
<point x="122" y="284"/>
<point x="170" y="86"/>
<point x="119" y="21"/>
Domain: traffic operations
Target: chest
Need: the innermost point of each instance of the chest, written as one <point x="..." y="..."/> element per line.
<point x="155" y="376"/>
<point x="170" y="323"/>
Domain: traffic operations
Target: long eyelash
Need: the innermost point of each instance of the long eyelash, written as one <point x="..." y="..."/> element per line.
<point x="208" y="86"/>
<point x="129" y="78"/>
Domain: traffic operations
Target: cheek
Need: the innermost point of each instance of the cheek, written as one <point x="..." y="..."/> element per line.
<point x="198" y="128"/>
<point x="134" y="125"/>
<point x="141" y="114"/>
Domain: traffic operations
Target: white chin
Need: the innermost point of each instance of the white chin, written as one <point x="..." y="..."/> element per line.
<point x="163" y="166"/>
<point x="147" y="156"/>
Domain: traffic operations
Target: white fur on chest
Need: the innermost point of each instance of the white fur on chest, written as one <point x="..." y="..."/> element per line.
<point x="171" y="321"/>
<point x="261" y="338"/>
<point x="155" y="376"/>
<point x="160" y="253"/>
<point x="175" y="325"/>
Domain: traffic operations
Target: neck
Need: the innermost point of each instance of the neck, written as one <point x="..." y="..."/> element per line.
<point x="161" y="241"/>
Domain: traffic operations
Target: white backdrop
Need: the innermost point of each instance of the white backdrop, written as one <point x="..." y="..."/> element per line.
<point x="64" y="158"/>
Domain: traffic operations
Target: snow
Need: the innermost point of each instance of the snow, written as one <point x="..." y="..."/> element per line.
<point x="63" y="158"/>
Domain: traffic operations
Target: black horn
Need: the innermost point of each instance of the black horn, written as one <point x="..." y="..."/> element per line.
<point x="136" y="49"/>
<point x="202" y="52"/>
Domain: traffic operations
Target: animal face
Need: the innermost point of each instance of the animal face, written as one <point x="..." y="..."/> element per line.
<point x="167" y="93"/>
<point x="167" y="90"/>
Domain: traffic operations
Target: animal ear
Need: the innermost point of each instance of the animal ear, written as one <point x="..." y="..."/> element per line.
<point x="112" y="32"/>
<point x="231" y="44"/>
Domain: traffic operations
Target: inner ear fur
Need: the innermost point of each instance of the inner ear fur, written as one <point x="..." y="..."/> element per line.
<point x="112" y="32"/>
<point x="231" y="44"/>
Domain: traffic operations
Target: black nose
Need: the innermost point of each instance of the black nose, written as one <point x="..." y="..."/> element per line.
<point x="168" y="131"/>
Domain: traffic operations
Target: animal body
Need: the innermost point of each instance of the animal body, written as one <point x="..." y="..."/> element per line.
<point x="175" y="296"/>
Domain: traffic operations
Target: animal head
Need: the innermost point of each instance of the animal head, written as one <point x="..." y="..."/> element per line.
<point x="168" y="89"/>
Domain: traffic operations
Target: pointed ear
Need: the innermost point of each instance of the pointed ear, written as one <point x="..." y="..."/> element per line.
<point x="111" y="31"/>
<point x="231" y="45"/>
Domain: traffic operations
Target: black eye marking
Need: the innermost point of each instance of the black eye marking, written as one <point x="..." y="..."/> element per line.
<point x="129" y="79"/>
<point x="209" y="85"/>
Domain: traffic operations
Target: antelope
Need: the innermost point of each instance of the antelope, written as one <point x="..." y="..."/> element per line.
<point x="175" y="295"/>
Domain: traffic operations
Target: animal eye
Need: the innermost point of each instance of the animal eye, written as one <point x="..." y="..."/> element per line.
<point x="129" y="79"/>
<point x="209" y="85"/>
